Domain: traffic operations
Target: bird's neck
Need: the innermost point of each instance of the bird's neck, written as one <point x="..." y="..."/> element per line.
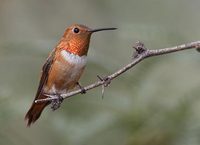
<point x="74" y="46"/>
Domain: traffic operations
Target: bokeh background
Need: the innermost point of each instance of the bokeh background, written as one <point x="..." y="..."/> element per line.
<point x="155" y="103"/>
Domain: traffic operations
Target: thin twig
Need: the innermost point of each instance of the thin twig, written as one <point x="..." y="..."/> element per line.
<point x="141" y="53"/>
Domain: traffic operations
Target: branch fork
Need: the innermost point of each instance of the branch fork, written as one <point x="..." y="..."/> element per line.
<point x="106" y="82"/>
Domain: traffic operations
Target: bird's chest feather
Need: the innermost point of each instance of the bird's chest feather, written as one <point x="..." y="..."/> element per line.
<point x="65" y="72"/>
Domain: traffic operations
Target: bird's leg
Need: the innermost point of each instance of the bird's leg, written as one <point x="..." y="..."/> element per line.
<point x="83" y="91"/>
<point x="55" y="103"/>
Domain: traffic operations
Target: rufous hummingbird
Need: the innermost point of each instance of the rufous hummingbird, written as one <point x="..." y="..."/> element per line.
<point x="63" y="68"/>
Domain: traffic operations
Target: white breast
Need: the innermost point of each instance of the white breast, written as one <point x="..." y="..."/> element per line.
<point x="78" y="63"/>
<point x="74" y="59"/>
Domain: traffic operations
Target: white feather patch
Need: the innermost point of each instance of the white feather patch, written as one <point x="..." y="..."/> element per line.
<point x="74" y="59"/>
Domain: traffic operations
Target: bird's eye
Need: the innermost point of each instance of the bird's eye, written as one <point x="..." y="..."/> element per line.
<point x="76" y="30"/>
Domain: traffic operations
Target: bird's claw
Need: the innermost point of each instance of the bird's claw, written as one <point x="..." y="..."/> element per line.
<point x="55" y="103"/>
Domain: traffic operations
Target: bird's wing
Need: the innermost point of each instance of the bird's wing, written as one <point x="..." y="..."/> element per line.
<point x="45" y="73"/>
<point x="36" y="108"/>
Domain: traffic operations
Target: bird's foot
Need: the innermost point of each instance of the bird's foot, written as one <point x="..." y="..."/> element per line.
<point x="83" y="91"/>
<point x="55" y="103"/>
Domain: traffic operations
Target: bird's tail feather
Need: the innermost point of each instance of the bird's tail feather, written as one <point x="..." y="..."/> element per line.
<point x="35" y="111"/>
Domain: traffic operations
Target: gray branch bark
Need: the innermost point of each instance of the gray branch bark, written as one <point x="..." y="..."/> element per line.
<point x="141" y="53"/>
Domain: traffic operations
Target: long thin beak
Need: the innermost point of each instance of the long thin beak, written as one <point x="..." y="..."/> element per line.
<point x="102" y="29"/>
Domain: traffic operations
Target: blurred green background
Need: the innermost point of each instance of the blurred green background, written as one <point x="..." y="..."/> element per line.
<point x="155" y="103"/>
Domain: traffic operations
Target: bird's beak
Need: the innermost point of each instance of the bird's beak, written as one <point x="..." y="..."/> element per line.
<point x="102" y="29"/>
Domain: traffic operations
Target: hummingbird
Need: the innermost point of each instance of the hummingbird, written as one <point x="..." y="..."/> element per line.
<point x="63" y="68"/>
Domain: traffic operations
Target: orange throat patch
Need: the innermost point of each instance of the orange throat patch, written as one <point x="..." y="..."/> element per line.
<point x="75" y="46"/>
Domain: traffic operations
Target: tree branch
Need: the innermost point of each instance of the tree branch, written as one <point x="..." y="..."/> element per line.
<point x="141" y="52"/>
